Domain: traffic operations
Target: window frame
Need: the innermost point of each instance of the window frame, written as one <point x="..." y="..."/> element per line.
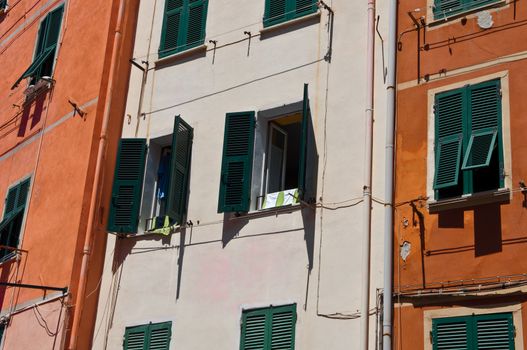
<point x="466" y="199"/>
<point x="182" y="30"/>
<point x="289" y="13"/>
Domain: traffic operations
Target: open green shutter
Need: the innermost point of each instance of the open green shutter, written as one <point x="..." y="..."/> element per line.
<point x="237" y="161"/>
<point x="135" y="338"/>
<point x="179" y="170"/>
<point x="449" y="113"/>
<point x="303" y="144"/>
<point x="283" y="320"/>
<point x="127" y="186"/>
<point x="196" y="21"/>
<point x="255" y="327"/>
<point x="485" y="111"/>
<point x="10" y="201"/>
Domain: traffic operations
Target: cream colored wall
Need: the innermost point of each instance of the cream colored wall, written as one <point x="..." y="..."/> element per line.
<point x="266" y="262"/>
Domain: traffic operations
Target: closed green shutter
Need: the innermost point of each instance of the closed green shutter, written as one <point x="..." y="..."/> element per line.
<point x="48" y="35"/>
<point x="485" y="112"/>
<point x="474" y="332"/>
<point x="127" y="186"/>
<point x="449" y="115"/>
<point x="153" y="336"/>
<point x="183" y="25"/>
<point x="179" y="170"/>
<point x="237" y="161"/>
<point x="278" y="11"/>
<point x="269" y="328"/>
<point x="303" y="144"/>
<point x="445" y="8"/>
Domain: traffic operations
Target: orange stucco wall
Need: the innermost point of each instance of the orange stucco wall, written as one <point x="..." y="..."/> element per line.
<point x="478" y="242"/>
<point x="61" y="160"/>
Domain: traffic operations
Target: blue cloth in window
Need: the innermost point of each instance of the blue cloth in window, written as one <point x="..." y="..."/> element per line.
<point x="163" y="173"/>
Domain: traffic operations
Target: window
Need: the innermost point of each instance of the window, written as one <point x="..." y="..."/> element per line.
<point x="468" y="140"/>
<point x="283" y="146"/>
<point x="3" y="5"/>
<point x="11" y="225"/>
<point x="278" y="11"/>
<point x="489" y="331"/>
<point x="269" y="328"/>
<point x="149" y="336"/>
<point x="172" y="180"/>
<point x="445" y="8"/>
<point x="48" y="35"/>
<point x="183" y="26"/>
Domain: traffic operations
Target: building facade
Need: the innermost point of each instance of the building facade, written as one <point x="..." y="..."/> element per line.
<point x="235" y="217"/>
<point x="460" y="219"/>
<point x="56" y="88"/>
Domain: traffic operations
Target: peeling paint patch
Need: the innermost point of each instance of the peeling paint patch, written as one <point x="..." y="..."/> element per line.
<point x="405" y="250"/>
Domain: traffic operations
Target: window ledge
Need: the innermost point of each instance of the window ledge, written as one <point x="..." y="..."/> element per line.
<point x="180" y="56"/>
<point x="471" y="200"/>
<point x="290" y="23"/>
<point x="453" y="17"/>
<point x="269" y="211"/>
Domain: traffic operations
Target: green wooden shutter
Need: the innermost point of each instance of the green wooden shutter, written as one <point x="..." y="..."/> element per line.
<point x="254" y="329"/>
<point x="127" y="186"/>
<point x="268" y="328"/>
<point x="183" y="25"/>
<point x="237" y="162"/>
<point x="445" y="8"/>
<point x="159" y="335"/>
<point x="179" y="170"/>
<point x="452" y="333"/>
<point x="494" y="331"/>
<point x="449" y="116"/>
<point x="283" y="320"/>
<point x="11" y="225"/>
<point x="197" y="16"/>
<point x="278" y="11"/>
<point x="135" y="338"/>
<point x="303" y="144"/>
<point x="485" y="111"/>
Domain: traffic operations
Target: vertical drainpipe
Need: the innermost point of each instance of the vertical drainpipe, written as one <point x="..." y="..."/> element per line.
<point x="88" y="241"/>
<point x="366" y="194"/>
<point x="389" y="179"/>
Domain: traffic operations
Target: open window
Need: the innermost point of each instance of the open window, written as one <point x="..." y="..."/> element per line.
<point x="11" y="225"/>
<point x="47" y="41"/>
<point x="264" y="161"/>
<point x="164" y="190"/>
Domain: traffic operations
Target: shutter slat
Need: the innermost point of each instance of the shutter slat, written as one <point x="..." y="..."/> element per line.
<point x="127" y="186"/>
<point x="450" y="336"/>
<point x="495" y="333"/>
<point x="253" y="332"/>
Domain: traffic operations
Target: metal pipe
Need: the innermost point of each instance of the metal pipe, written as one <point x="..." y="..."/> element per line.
<point x="389" y="177"/>
<point x="89" y="237"/>
<point x="368" y="165"/>
<point x="64" y="290"/>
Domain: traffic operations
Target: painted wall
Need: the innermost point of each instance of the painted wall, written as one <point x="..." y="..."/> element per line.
<point x="475" y="244"/>
<point x="202" y="277"/>
<point x="45" y="140"/>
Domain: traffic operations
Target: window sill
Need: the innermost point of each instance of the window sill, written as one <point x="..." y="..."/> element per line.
<point x="180" y="56"/>
<point x="269" y="211"/>
<point x="470" y="200"/>
<point x="290" y="23"/>
<point x="450" y="18"/>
